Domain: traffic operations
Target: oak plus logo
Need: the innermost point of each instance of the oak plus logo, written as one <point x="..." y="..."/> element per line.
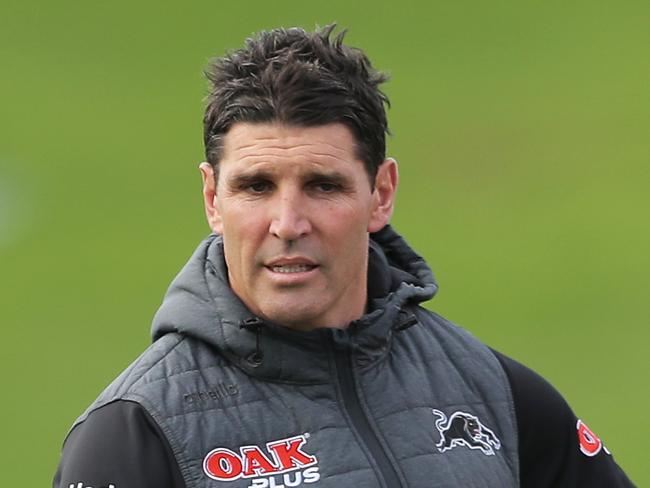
<point x="282" y="463"/>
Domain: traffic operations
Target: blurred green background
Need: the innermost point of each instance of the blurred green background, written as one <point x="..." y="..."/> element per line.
<point x="523" y="134"/>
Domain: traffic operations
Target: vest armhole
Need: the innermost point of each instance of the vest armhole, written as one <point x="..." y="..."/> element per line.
<point x="121" y="444"/>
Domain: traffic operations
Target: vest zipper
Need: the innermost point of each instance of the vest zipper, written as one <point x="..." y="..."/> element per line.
<point x="350" y="398"/>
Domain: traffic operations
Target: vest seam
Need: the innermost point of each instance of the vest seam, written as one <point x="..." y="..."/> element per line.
<point x="181" y="461"/>
<point x="511" y="411"/>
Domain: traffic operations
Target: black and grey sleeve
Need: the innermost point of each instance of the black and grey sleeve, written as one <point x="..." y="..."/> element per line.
<point x="555" y="448"/>
<point x="118" y="446"/>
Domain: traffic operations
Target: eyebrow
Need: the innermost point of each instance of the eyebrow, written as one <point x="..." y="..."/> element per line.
<point x="249" y="177"/>
<point x="331" y="176"/>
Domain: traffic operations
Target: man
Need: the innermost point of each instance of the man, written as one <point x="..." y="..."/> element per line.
<point x="291" y="350"/>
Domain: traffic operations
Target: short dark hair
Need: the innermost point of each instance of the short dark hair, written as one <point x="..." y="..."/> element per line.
<point x="298" y="78"/>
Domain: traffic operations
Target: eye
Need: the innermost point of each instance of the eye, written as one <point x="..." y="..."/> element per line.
<point x="325" y="186"/>
<point x="260" y="186"/>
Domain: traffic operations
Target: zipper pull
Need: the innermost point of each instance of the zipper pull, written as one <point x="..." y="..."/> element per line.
<point x="254" y="324"/>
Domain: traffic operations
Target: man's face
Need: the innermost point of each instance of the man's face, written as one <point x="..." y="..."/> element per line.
<point x="294" y="206"/>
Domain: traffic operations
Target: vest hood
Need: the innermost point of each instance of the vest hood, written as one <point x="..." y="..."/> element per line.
<point x="200" y="304"/>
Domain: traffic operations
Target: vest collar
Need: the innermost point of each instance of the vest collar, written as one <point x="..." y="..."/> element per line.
<point x="201" y="304"/>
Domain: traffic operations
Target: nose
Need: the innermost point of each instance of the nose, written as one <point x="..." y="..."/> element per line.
<point x="289" y="220"/>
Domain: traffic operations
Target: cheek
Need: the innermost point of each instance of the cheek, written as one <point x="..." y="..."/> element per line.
<point x="346" y="234"/>
<point x="241" y="220"/>
<point x="352" y="219"/>
<point x="243" y="235"/>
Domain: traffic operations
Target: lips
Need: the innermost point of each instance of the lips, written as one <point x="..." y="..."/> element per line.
<point x="292" y="265"/>
<point x="292" y="268"/>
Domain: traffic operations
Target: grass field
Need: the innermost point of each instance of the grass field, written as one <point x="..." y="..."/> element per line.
<point x="521" y="129"/>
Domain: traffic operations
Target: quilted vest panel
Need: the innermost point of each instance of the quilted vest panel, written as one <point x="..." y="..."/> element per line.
<point x="437" y="402"/>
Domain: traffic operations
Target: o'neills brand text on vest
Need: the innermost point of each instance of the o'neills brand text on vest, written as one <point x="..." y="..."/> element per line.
<point x="216" y="392"/>
<point x="81" y="484"/>
<point x="282" y="463"/>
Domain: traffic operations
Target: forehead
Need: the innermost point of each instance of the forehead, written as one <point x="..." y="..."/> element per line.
<point x="274" y="144"/>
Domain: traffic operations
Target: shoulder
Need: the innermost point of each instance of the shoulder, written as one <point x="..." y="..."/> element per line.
<point x="555" y="447"/>
<point x="446" y="331"/>
<point x="459" y="345"/>
<point x="535" y="397"/>
<point x="165" y="361"/>
<point x="123" y="425"/>
<point x="152" y="364"/>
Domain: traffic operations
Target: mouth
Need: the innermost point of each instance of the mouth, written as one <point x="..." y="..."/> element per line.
<point x="291" y="268"/>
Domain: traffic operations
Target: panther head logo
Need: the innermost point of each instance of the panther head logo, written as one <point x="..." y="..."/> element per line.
<point x="465" y="429"/>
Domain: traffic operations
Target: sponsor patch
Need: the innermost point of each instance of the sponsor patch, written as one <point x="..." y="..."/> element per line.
<point x="281" y="463"/>
<point x="465" y="429"/>
<point x="590" y="443"/>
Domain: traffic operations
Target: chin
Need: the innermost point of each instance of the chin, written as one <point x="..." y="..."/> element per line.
<point x="295" y="322"/>
<point x="296" y="319"/>
<point x="293" y="308"/>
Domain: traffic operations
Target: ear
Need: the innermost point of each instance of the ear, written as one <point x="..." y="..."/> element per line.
<point x="383" y="195"/>
<point x="210" y="198"/>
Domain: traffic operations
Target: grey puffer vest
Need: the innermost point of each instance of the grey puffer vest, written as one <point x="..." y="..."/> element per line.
<point x="401" y="398"/>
